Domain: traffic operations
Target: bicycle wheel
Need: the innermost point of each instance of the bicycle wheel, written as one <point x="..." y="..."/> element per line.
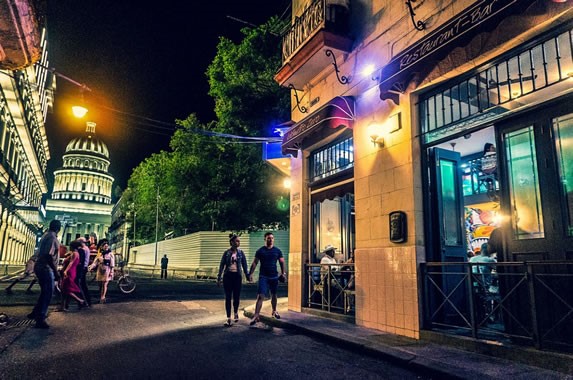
<point x="126" y="284"/>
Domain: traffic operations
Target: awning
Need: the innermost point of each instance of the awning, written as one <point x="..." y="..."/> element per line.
<point x="419" y="59"/>
<point x="337" y="114"/>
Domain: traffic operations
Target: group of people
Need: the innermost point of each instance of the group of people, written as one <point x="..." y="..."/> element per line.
<point x="234" y="264"/>
<point x="71" y="280"/>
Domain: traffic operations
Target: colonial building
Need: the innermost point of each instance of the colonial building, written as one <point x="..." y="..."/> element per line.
<point x="420" y="128"/>
<point x="26" y="96"/>
<point x="81" y="197"/>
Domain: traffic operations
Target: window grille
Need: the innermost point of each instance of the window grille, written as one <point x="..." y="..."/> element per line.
<point x="488" y="93"/>
<point x="332" y="159"/>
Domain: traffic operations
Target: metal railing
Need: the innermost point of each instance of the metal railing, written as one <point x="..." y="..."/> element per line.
<point x="312" y="19"/>
<point x="527" y="303"/>
<point x="330" y="287"/>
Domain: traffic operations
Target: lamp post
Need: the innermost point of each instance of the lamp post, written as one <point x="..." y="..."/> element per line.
<point x="156" y="224"/>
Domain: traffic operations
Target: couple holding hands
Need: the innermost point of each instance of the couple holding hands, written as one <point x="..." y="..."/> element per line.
<point x="234" y="263"/>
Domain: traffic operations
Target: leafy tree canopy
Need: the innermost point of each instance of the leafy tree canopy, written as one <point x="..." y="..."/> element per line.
<point x="213" y="183"/>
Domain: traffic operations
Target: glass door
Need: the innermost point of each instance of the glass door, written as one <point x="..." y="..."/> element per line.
<point x="537" y="200"/>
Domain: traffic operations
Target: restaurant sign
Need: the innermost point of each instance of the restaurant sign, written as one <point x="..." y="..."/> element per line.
<point x="337" y="112"/>
<point x="455" y="32"/>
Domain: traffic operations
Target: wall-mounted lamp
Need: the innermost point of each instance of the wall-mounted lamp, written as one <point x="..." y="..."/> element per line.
<point x="376" y="133"/>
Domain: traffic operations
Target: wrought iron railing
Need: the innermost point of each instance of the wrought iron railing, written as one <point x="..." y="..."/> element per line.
<point x="311" y="20"/>
<point x="527" y="303"/>
<point x="330" y="287"/>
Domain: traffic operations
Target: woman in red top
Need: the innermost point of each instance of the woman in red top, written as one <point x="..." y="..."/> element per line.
<point x="69" y="288"/>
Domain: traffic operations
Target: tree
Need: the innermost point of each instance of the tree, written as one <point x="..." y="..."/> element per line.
<point x="208" y="182"/>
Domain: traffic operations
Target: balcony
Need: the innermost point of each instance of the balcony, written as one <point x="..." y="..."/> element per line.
<point x="323" y="26"/>
<point x="20" y="34"/>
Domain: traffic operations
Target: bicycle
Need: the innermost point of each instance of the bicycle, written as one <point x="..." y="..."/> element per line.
<point x="125" y="283"/>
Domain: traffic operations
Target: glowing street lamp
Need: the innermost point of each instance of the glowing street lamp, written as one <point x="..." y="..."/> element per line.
<point x="79" y="111"/>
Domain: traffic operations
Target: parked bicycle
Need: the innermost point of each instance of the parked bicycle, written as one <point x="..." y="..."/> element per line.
<point x="125" y="282"/>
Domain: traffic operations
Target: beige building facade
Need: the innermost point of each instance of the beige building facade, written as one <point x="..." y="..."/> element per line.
<point x="26" y="97"/>
<point x="393" y="103"/>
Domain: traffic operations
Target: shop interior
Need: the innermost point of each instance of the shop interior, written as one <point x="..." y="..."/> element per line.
<point x="480" y="185"/>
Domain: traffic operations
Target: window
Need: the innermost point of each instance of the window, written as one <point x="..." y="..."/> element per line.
<point x="490" y="92"/>
<point x="524" y="184"/>
<point x="563" y="127"/>
<point x="332" y="159"/>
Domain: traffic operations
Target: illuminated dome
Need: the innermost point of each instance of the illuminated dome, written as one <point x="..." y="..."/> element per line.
<point x="84" y="176"/>
<point x="88" y="144"/>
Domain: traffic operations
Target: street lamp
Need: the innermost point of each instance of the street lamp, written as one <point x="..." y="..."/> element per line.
<point x="156" y="224"/>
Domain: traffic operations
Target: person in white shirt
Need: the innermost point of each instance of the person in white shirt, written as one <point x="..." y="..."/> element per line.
<point x="328" y="258"/>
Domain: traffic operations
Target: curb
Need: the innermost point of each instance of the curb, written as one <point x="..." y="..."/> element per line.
<point x="396" y="356"/>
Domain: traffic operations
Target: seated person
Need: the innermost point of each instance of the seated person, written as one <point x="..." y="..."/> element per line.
<point x="328" y="258"/>
<point x="348" y="273"/>
<point x="484" y="270"/>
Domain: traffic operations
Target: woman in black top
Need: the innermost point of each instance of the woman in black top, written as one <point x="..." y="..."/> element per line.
<point x="232" y="262"/>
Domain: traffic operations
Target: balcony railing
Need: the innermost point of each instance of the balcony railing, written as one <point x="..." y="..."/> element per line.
<point x="311" y="20"/>
<point x="331" y="287"/>
<point x="527" y="303"/>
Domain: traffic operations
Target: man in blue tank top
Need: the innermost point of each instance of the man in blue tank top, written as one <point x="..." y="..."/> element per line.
<point x="269" y="278"/>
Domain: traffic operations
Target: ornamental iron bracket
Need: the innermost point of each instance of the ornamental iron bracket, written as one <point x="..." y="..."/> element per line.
<point x="301" y="108"/>
<point x="420" y="25"/>
<point x="342" y="79"/>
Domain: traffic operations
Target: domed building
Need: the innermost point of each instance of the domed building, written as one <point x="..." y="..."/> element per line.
<point x="81" y="197"/>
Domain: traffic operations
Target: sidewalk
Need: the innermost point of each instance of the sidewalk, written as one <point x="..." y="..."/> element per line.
<point x="438" y="359"/>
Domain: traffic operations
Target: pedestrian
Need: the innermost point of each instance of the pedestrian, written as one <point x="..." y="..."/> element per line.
<point x="233" y="263"/>
<point x="69" y="287"/>
<point x="269" y="278"/>
<point x="104" y="262"/>
<point x="28" y="272"/>
<point x="46" y="272"/>
<point x="84" y="252"/>
<point x="164" y="262"/>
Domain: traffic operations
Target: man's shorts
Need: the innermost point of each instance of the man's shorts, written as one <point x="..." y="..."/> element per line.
<point x="266" y="284"/>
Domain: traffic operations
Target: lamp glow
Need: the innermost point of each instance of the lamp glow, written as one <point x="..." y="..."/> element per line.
<point x="79" y="111"/>
<point x="376" y="133"/>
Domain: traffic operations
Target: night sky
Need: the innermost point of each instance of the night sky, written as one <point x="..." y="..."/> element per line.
<point x="141" y="60"/>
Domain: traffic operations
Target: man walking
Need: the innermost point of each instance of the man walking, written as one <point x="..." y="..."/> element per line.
<point x="46" y="272"/>
<point x="164" y="262"/>
<point x="268" y="255"/>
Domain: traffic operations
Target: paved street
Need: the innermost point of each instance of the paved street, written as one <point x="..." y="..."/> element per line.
<point x="174" y="330"/>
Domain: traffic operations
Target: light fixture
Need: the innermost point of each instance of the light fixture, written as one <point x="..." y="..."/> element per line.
<point x="286" y="183"/>
<point x="368" y="71"/>
<point x="376" y="133"/>
<point x="79" y="111"/>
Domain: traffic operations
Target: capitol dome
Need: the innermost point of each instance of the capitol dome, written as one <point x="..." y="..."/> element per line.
<point x="87" y="144"/>
<point x="84" y="175"/>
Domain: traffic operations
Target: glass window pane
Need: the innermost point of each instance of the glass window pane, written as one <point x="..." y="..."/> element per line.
<point x="450" y="206"/>
<point x="527" y="218"/>
<point x="563" y="127"/>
